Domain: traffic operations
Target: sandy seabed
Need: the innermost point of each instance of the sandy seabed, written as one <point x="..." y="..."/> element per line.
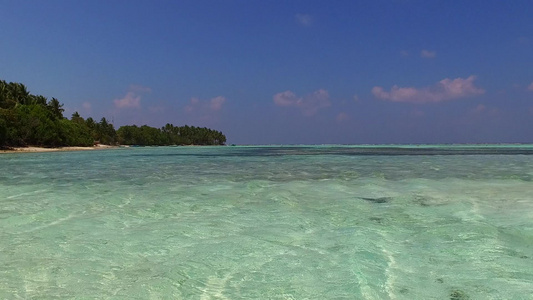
<point x="42" y="149"/>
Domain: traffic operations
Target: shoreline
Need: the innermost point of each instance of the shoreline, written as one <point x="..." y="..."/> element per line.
<point x="33" y="149"/>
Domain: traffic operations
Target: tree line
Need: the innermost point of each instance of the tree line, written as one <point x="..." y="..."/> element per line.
<point x="169" y="135"/>
<point x="27" y="119"/>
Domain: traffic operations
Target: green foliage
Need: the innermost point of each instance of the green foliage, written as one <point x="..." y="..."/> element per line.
<point x="142" y="136"/>
<point x="75" y="133"/>
<point x="169" y="135"/>
<point x="105" y="132"/>
<point x="3" y="130"/>
<point x="27" y="119"/>
<point x="12" y="94"/>
<point x="55" y="108"/>
<point x="76" y="118"/>
<point x="34" y="126"/>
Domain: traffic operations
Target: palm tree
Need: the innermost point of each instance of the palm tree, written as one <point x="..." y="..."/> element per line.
<point x="56" y="108"/>
<point x="76" y="118"/>
<point x="19" y="93"/>
<point x="4" y="90"/>
<point x="40" y="100"/>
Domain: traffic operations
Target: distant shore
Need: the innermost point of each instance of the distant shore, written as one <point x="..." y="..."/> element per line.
<point x="32" y="149"/>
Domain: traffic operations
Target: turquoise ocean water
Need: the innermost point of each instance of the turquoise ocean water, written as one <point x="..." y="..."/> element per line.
<point x="323" y="222"/>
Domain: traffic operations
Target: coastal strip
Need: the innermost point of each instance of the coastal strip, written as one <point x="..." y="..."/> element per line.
<point x="43" y="149"/>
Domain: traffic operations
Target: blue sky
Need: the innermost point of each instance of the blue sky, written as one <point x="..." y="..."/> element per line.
<point x="284" y="72"/>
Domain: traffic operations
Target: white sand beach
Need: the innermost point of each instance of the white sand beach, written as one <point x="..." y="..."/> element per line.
<point x="32" y="149"/>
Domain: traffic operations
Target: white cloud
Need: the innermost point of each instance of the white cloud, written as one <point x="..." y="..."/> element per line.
<point x="304" y="20"/>
<point x="216" y="103"/>
<point x="482" y="110"/>
<point x="286" y="98"/>
<point x="309" y="105"/>
<point x="445" y="89"/>
<point x="479" y="108"/>
<point x="86" y="105"/>
<point x="428" y="54"/>
<point x="342" y="117"/>
<point x="132" y="99"/>
<point x="213" y="104"/>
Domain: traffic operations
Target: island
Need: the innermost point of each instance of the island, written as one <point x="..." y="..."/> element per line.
<point x="33" y="120"/>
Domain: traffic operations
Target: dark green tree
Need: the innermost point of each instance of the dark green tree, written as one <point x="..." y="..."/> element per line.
<point x="76" y="118"/>
<point x="56" y="108"/>
<point x="105" y="132"/>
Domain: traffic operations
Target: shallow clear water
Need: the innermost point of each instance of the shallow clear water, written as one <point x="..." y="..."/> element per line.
<point x="444" y="222"/>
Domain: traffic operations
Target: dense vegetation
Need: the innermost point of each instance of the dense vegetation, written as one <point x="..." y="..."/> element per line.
<point x="27" y="119"/>
<point x="169" y="135"/>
